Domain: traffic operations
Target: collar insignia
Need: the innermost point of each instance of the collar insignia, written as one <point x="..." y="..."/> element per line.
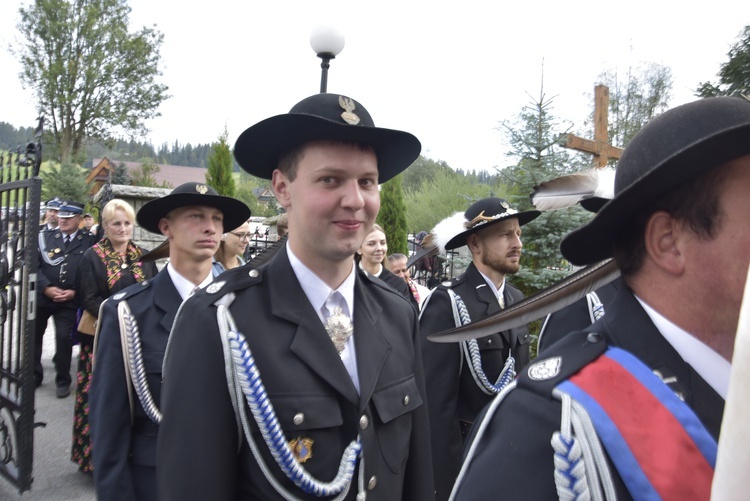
<point x="348" y="114"/>
<point x="118" y="296"/>
<point x="201" y="188"/>
<point x="545" y="369"/>
<point x="215" y="287"/>
<point x="301" y="448"/>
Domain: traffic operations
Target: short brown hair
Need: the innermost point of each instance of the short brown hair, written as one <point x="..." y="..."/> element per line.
<point x="696" y="204"/>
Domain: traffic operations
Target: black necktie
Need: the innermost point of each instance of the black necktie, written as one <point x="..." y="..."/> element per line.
<point x="67" y="241"/>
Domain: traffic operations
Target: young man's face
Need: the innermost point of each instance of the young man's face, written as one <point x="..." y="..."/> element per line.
<point x="193" y="232"/>
<point x="88" y="222"/>
<point x="332" y="202"/>
<point x="498" y="246"/>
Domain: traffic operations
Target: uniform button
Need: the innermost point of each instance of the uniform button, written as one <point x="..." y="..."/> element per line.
<point x="299" y="418"/>
<point x="253" y="273"/>
<point x="594" y="337"/>
<point x="406" y="400"/>
<point x="489" y="342"/>
<point x="372" y="483"/>
<point x="363" y="423"/>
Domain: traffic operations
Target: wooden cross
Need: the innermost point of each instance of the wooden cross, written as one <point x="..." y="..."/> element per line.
<point x="599" y="147"/>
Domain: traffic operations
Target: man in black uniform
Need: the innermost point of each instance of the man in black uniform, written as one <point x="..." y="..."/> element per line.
<point x="459" y="386"/>
<point x="124" y="428"/>
<point x="334" y="352"/>
<point x="650" y="377"/>
<point x="60" y="252"/>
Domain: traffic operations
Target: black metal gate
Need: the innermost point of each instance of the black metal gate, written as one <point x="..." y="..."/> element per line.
<point x="20" y="196"/>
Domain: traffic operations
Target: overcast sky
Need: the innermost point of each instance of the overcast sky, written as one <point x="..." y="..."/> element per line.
<point x="447" y="72"/>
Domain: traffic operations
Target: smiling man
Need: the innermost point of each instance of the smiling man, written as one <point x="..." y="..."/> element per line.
<point x="125" y="391"/>
<point x="333" y="352"/>
<point x="458" y="386"/>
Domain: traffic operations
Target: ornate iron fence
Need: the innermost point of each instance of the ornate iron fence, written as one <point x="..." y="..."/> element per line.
<point x="20" y="197"/>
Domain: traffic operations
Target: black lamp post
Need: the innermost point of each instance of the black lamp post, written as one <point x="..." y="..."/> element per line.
<point x="327" y="42"/>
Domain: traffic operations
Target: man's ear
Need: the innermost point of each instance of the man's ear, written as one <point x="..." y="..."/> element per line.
<point x="663" y="238"/>
<point x="280" y="186"/>
<point x="164" y="227"/>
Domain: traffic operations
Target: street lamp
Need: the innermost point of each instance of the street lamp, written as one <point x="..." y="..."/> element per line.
<point x="327" y="42"/>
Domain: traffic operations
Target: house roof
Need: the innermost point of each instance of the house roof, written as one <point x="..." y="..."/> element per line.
<point x="175" y="175"/>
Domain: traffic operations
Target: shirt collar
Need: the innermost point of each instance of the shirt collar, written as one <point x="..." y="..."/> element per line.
<point x="318" y="291"/>
<point x="186" y="288"/>
<point x="497" y="291"/>
<point x="711" y="366"/>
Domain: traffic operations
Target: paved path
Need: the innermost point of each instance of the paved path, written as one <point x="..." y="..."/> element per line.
<point x="56" y="477"/>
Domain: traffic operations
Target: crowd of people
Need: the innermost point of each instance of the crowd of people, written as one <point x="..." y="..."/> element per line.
<point x="323" y="373"/>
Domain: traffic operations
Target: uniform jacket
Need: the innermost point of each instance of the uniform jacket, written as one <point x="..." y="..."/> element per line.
<point x="202" y="455"/>
<point x="576" y="316"/>
<point x="515" y="457"/>
<point x="452" y="393"/>
<point x="399" y="285"/>
<point x="62" y="275"/>
<point x="118" y="443"/>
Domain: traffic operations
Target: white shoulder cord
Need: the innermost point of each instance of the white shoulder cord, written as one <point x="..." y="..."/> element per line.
<point x="243" y="379"/>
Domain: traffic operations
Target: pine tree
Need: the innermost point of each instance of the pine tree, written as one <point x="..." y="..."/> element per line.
<point x="120" y="174"/>
<point x="145" y="176"/>
<point x="220" y="163"/>
<point x="67" y="182"/>
<point x="734" y="75"/>
<point x="392" y="215"/>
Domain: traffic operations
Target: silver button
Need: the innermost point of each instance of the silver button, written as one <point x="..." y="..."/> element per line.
<point x="253" y="273"/>
<point x="299" y="418"/>
<point x="363" y="423"/>
<point x="406" y="400"/>
<point x="372" y="483"/>
<point x="594" y="337"/>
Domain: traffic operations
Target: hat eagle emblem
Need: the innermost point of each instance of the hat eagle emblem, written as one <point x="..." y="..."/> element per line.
<point x="348" y="115"/>
<point x="201" y="188"/>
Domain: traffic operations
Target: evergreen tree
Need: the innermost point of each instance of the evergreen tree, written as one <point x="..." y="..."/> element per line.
<point x="145" y="176"/>
<point x="392" y="215"/>
<point x="120" y="175"/>
<point x="734" y="75"/>
<point x="66" y="181"/>
<point x="220" y="162"/>
<point x="533" y="139"/>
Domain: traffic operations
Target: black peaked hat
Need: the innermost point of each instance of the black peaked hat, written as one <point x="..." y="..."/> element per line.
<point x="70" y="209"/>
<point x="670" y="150"/>
<point x="323" y="117"/>
<point x="486" y="212"/>
<point x="235" y="212"/>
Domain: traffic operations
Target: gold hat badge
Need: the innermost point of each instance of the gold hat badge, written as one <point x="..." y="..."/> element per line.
<point x="201" y="188"/>
<point x="348" y="115"/>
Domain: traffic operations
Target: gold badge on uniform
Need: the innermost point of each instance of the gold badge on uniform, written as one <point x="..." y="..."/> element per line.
<point x="301" y="448"/>
<point x="58" y="250"/>
<point x="201" y="188"/>
<point x="348" y="115"/>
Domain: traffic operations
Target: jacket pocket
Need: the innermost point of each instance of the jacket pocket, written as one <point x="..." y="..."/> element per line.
<point x="394" y="404"/>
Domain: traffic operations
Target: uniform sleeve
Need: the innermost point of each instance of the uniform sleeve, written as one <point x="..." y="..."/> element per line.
<point x="442" y="370"/>
<point x="87" y="286"/>
<point x="109" y="413"/>
<point x="514" y="458"/>
<point x="198" y="441"/>
<point x="419" y="480"/>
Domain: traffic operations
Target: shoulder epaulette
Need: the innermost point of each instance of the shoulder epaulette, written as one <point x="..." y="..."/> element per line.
<point x="449" y="284"/>
<point x="562" y="360"/>
<point x="229" y="281"/>
<point x="132" y="291"/>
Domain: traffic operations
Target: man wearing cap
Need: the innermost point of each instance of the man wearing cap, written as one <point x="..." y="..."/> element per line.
<point x="459" y="385"/>
<point x="50" y="215"/>
<point x="125" y="391"/>
<point x="334" y="352"/>
<point x="60" y="252"/>
<point x="632" y="405"/>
